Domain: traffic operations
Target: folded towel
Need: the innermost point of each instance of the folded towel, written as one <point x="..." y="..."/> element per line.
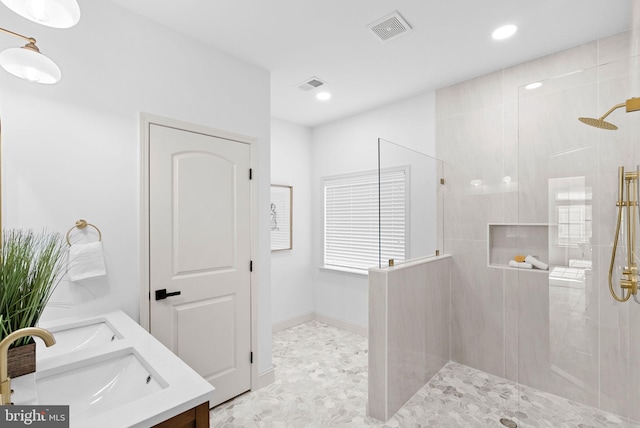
<point x="86" y="261"/>
<point x="537" y="263"/>
<point x="521" y="265"/>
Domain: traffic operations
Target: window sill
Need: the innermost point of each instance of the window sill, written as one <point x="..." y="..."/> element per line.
<point x="349" y="271"/>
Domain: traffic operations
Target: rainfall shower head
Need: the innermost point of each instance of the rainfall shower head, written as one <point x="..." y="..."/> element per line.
<point x="598" y="123"/>
<point x="632" y="104"/>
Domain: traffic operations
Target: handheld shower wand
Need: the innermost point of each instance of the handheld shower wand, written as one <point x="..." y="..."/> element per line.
<point x="627" y="201"/>
<point x="629" y="282"/>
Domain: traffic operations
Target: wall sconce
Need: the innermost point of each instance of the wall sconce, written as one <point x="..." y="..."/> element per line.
<point x="52" y="13"/>
<point x="476" y="182"/>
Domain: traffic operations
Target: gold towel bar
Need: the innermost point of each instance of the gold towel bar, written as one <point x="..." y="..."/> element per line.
<point x="81" y="224"/>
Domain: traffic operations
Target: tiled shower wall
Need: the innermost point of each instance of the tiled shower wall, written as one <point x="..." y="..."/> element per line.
<point x="512" y="323"/>
<point x="409" y="330"/>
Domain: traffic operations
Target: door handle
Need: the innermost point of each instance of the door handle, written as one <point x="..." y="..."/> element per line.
<point x="162" y="294"/>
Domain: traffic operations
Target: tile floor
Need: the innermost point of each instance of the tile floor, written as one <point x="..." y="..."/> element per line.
<point x="321" y="381"/>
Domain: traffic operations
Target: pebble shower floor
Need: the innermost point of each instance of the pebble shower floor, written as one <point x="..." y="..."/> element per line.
<point x="321" y="381"/>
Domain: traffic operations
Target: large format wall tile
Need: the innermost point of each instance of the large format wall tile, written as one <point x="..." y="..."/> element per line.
<point x="471" y="95"/>
<point x="614" y="340"/>
<point x="511" y="324"/>
<point x="565" y="337"/>
<point x="477" y="308"/>
<point x="578" y="58"/>
<point x="473" y="155"/>
<point x="558" y="332"/>
<point x="634" y="356"/>
<point x="409" y="330"/>
<point x="406" y="336"/>
<point x="377" y="386"/>
<point x="418" y="326"/>
<point x="619" y="46"/>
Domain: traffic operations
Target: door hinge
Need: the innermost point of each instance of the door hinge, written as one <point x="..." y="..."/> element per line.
<point x="251" y="266"/>
<point x="251" y="357"/>
<point x="250" y="173"/>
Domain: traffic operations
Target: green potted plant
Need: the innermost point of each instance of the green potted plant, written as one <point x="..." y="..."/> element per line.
<point x="31" y="266"/>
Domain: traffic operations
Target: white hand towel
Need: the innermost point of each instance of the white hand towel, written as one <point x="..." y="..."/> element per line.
<point x="86" y="261"/>
<point x="537" y="263"/>
<point x="520" y="265"/>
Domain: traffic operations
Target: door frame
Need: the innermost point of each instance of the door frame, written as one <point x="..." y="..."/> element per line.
<point x="147" y="119"/>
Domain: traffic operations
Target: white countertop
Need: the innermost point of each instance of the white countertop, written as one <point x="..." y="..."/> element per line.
<point x="184" y="388"/>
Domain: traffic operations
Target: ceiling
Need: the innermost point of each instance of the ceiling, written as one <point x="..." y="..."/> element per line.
<point x="450" y="41"/>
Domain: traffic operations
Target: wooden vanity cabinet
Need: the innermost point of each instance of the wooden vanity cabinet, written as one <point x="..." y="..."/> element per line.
<point x="197" y="417"/>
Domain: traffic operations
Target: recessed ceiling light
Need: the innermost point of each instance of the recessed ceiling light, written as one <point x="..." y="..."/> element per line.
<point x="323" y="96"/>
<point x="534" y="85"/>
<point x="504" y="32"/>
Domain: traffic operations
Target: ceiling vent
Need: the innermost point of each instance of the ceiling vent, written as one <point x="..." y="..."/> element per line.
<point x="390" y="27"/>
<point x="311" y="84"/>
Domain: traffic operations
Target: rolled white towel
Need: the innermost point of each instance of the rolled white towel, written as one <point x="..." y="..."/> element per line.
<point x="537" y="263"/>
<point x="86" y="261"/>
<point x="521" y="265"/>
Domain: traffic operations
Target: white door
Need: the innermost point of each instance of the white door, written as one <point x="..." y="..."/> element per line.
<point x="199" y="241"/>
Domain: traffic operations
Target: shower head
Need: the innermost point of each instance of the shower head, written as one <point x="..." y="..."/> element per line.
<point x="598" y="123"/>
<point x="632" y="104"/>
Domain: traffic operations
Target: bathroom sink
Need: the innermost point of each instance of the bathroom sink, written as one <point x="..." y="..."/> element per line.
<point x="111" y="373"/>
<point x="99" y="384"/>
<point x="71" y="338"/>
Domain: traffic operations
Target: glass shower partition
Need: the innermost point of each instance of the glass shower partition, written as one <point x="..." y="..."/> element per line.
<point x="574" y="340"/>
<point x="410" y="202"/>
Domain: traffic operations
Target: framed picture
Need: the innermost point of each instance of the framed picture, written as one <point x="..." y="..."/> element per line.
<point x="281" y="217"/>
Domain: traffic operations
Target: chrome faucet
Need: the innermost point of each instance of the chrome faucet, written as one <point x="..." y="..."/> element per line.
<point x="5" y="381"/>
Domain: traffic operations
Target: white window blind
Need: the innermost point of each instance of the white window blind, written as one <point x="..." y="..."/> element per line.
<point x="351" y="219"/>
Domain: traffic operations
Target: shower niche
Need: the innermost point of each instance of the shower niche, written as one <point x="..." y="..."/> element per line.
<point x="508" y="240"/>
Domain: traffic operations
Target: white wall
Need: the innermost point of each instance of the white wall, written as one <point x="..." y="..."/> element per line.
<point x="350" y="145"/>
<point x="291" y="270"/>
<point x="72" y="150"/>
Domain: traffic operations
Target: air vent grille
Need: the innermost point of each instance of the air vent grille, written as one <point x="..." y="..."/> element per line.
<point x="311" y="83"/>
<point x="315" y="83"/>
<point x="390" y="27"/>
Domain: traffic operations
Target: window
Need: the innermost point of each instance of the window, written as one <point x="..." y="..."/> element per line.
<point x="574" y="217"/>
<point x="352" y="238"/>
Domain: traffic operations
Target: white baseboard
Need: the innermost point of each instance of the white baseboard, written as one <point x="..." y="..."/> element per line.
<point x="309" y="316"/>
<point x="343" y="325"/>
<point x="292" y="322"/>
<point x="265" y="378"/>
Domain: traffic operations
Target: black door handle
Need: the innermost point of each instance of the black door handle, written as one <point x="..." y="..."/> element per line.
<point x="162" y="294"/>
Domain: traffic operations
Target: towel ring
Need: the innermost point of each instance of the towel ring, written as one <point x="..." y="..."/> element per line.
<point x="81" y="224"/>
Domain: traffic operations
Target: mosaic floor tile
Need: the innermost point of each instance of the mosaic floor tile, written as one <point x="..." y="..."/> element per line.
<point x="321" y="381"/>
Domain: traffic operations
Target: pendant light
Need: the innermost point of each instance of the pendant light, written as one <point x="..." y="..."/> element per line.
<point x="28" y="63"/>
<point x="52" y="13"/>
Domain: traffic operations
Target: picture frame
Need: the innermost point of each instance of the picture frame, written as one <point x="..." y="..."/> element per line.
<point x="281" y="217"/>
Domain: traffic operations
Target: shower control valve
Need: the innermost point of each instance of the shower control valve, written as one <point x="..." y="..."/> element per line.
<point x="631" y="281"/>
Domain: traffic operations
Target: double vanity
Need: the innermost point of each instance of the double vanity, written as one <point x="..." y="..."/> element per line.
<point x="113" y="373"/>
